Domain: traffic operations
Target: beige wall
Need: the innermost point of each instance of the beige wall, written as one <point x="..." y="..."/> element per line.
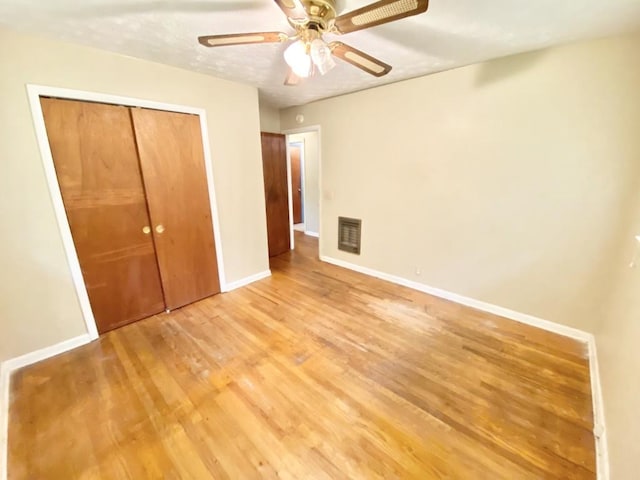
<point x="311" y="173"/>
<point x="269" y="119"/>
<point x="38" y="305"/>
<point x="512" y="181"/>
<point x="502" y="181"/>
<point x="619" y="355"/>
<point x="516" y="182"/>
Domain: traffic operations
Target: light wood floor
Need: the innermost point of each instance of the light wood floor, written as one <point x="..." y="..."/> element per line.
<point x="314" y="373"/>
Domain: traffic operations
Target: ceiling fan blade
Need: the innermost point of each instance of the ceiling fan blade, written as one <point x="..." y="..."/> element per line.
<point x="242" y="39"/>
<point x="292" y="9"/>
<point x="292" y="79"/>
<point x="360" y="59"/>
<point x="378" y="13"/>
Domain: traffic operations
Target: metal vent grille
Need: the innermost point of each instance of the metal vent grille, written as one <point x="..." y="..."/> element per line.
<point x="349" y="230"/>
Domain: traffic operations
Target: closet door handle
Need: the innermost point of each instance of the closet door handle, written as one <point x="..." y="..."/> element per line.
<point x="159" y="228"/>
<point x="146" y="230"/>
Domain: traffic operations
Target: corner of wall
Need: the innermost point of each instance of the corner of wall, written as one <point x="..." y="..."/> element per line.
<point x="599" y="430"/>
<point x="8" y="367"/>
<point x="4" y="419"/>
<point x="269" y="118"/>
<point x="599" y="425"/>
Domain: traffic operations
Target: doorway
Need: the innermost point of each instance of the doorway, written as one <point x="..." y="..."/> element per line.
<point x="296" y="159"/>
<point x="304" y="161"/>
<point x="291" y="171"/>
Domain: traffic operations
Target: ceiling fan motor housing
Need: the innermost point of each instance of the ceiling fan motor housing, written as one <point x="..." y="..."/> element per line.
<point x="321" y="14"/>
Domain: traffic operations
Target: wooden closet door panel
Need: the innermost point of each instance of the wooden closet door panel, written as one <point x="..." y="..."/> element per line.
<point x="96" y="162"/>
<point x="173" y="171"/>
<point x="274" y="163"/>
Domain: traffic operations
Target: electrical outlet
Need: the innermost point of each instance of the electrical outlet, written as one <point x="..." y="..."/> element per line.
<point x="418" y="271"/>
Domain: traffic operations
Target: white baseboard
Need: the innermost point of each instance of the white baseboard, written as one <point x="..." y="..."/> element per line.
<point x="599" y="429"/>
<point x="8" y="367"/>
<point x="4" y="419"/>
<point x="247" y="280"/>
<point x="312" y="234"/>
<point x="33" y="357"/>
<point x="469" y="302"/>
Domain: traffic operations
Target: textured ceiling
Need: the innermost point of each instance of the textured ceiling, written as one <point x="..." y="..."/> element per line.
<point x="452" y="33"/>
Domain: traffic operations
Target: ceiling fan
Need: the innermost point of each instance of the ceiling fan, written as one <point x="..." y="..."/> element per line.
<point x="311" y="19"/>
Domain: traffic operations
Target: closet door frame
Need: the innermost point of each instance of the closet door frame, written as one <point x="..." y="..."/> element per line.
<point x="34" y="92"/>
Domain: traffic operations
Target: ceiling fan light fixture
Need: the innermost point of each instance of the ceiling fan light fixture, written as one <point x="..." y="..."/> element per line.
<point x="311" y="19"/>
<point x="298" y="59"/>
<point x="321" y="56"/>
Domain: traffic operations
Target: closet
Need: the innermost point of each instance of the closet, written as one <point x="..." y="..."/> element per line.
<point x="135" y="192"/>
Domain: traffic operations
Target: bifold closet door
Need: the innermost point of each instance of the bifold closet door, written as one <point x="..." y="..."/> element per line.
<point x="175" y="180"/>
<point x="96" y="162"/>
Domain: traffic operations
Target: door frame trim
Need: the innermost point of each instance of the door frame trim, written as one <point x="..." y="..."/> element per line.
<point x="301" y="146"/>
<point x="34" y="92"/>
<point x="292" y="240"/>
<point x="317" y="129"/>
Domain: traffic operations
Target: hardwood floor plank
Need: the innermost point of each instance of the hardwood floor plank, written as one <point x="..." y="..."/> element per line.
<point x="316" y="372"/>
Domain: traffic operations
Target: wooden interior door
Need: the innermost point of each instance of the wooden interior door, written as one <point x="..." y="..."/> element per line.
<point x="173" y="171"/>
<point x="296" y="183"/>
<point x="94" y="153"/>
<point x="274" y="162"/>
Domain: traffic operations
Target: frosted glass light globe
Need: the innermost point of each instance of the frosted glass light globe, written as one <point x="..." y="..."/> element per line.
<point x="321" y="56"/>
<point x="298" y="59"/>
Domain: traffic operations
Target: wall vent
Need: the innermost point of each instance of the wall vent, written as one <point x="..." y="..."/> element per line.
<point x="349" y="230"/>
